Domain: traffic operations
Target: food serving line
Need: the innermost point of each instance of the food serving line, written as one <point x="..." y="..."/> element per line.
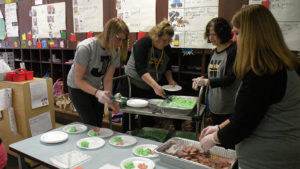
<point x="75" y="146"/>
<point x="43" y="147"/>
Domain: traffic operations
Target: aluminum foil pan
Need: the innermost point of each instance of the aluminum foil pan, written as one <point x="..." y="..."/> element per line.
<point x="174" y="110"/>
<point x="179" y="144"/>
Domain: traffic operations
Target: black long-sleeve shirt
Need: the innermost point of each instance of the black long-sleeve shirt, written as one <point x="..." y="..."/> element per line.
<point x="141" y="48"/>
<point x="255" y="96"/>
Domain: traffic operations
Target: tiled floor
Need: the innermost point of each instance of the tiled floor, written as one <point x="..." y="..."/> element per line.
<point x="12" y="162"/>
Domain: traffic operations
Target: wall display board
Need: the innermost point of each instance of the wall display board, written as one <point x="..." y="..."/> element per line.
<point x="189" y="18"/>
<point x="11" y="20"/>
<point x="88" y="16"/>
<point x="48" y="20"/>
<point x="287" y="14"/>
<point x="140" y="17"/>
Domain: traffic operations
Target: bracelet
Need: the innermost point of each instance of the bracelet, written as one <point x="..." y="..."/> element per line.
<point x="96" y="92"/>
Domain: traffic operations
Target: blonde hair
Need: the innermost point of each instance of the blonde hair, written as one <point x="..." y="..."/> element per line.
<point x="161" y="29"/>
<point x="261" y="47"/>
<point x="111" y="29"/>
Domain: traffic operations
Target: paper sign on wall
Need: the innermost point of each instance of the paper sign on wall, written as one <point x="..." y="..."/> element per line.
<point x="39" y="97"/>
<point x="40" y="123"/>
<point x="5" y="97"/>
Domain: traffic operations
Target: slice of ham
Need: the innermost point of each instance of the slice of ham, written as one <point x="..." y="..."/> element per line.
<point x="142" y="166"/>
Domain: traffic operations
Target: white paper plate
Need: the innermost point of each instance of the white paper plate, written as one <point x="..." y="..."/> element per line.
<point x="95" y="142"/>
<point x="80" y="128"/>
<point x="54" y="137"/>
<point x="145" y="146"/>
<point x="138" y="160"/>
<point x="137" y="103"/>
<point x="172" y="88"/>
<point x="104" y="132"/>
<point x="127" y="141"/>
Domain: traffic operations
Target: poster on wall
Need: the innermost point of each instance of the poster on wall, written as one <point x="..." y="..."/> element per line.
<point x="11" y="20"/>
<point x="39" y="98"/>
<point x="287" y="13"/>
<point x="189" y="18"/>
<point x="48" y="20"/>
<point x="88" y="16"/>
<point x="140" y="17"/>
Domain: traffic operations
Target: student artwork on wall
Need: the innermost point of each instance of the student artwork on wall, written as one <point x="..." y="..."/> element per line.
<point x="39" y="97"/>
<point x="48" y="20"/>
<point x="140" y="17"/>
<point x="189" y="18"/>
<point x="88" y="16"/>
<point x="11" y="20"/>
<point x="287" y="14"/>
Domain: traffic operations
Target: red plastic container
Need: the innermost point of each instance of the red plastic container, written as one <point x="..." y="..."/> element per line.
<point x="9" y="76"/>
<point x="19" y="75"/>
<point x="29" y="75"/>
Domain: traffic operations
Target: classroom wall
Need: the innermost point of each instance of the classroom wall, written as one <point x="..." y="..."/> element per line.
<point x="226" y="9"/>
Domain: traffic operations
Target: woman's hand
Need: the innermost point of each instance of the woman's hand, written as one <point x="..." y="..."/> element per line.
<point x="173" y="83"/>
<point x="160" y="91"/>
<point x="114" y="107"/>
<point x="103" y="96"/>
<point x="208" y="130"/>
<point x="208" y="142"/>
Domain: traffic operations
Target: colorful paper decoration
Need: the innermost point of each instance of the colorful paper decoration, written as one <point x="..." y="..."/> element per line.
<point x="16" y="44"/>
<point x="62" y="44"/>
<point x="44" y="44"/>
<point x="29" y="35"/>
<point x="266" y="3"/>
<point x="51" y="43"/>
<point x="56" y="43"/>
<point x="187" y="51"/>
<point x="73" y="38"/>
<point x="141" y="34"/>
<point x="3" y="44"/>
<point x="29" y="43"/>
<point x="39" y="44"/>
<point x="63" y="35"/>
<point x="89" y="35"/>
<point x="23" y="44"/>
<point x="24" y="36"/>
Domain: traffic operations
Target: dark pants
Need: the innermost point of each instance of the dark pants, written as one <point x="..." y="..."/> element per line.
<point x="89" y="109"/>
<point x="146" y="121"/>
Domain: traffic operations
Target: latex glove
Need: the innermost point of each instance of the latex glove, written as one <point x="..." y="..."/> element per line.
<point x="208" y="130"/>
<point x="160" y="91"/>
<point x="114" y="107"/>
<point x="208" y="142"/>
<point x="103" y="96"/>
<point x="201" y="81"/>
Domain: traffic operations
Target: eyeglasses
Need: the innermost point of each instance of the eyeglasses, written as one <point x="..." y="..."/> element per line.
<point x="118" y="38"/>
<point x="169" y="40"/>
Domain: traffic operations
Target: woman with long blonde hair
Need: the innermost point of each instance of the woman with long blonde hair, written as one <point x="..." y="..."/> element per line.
<point x="265" y="126"/>
<point x="90" y="78"/>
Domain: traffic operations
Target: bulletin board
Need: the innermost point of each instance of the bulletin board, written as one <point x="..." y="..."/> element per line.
<point x="226" y="10"/>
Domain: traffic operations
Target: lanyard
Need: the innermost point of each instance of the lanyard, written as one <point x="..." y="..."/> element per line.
<point x="157" y="61"/>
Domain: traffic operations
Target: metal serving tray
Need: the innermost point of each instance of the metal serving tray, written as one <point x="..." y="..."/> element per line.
<point x="187" y="164"/>
<point x="183" y="111"/>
